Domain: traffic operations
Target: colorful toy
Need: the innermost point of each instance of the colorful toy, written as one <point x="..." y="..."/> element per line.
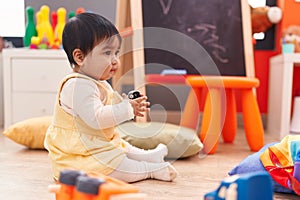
<point x="77" y="185"/>
<point x="30" y="30"/>
<point x="296" y="172"/>
<point x="56" y="44"/>
<point x="54" y="20"/>
<point x="71" y="14"/>
<point x="87" y="188"/>
<point x="67" y="182"/>
<point x="38" y="17"/>
<point x="61" y="17"/>
<point x="80" y="10"/>
<point x="34" y="42"/>
<point x="49" y="32"/>
<point x="44" y="29"/>
<point x="292" y="35"/>
<point x="255" y="185"/>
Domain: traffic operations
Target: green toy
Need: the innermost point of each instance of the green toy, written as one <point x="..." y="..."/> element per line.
<point x="30" y="29"/>
<point x="71" y="14"/>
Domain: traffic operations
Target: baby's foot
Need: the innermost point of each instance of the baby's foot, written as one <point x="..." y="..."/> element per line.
<point x="166" y="173"/>
<point x="173" y="172"/>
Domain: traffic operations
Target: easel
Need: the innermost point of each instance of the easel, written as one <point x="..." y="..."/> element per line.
<point x="129" y="21"/>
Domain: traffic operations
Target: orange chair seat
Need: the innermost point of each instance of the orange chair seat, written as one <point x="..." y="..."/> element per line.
<point x="219" y="115"/>
<point x="222" y="81"/>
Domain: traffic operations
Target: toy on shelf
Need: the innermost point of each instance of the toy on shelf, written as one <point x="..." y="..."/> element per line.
<point x="61" y="21"/>
<point x="48" y="32"/>
<point x="37" y="43"/>
<point x="30" y="30"/>
<point x="45" y="31"/>
<point x="38" y="17"/>
<point x="78" y="185"/>
<point x="80" y="10"/>
<point x="71" y="14"/>
<point x="34" y="42"/>
<point x="54" y="19"/>
<point x="250" y="186"/>
<point x="291" y="35"/>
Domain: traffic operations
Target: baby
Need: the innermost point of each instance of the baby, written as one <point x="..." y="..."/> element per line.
<point x="87" y="109"/>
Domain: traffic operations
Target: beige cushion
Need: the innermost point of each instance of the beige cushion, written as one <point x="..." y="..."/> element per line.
<point x="181" y="142"/>
<point x="30" y="132"/>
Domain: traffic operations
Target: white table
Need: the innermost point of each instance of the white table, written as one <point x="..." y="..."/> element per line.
<point x="280" y="92"/>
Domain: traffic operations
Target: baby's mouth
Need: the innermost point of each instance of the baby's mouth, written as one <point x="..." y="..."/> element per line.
<point x="113" y="70"/>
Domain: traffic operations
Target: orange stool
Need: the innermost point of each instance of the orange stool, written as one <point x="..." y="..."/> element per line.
<point x="219" y="115"/>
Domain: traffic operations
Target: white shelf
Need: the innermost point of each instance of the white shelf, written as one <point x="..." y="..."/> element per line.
<point x="30" y="80"/>
<point x="280" y="92"/>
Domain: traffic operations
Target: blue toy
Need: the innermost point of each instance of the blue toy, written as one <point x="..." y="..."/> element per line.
<point x="250" y="186"/>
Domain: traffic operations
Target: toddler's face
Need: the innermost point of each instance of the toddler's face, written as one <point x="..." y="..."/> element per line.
<point x="103" y="61"/>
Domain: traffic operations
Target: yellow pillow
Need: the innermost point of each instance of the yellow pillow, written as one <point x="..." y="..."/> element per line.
<point x="181" y="141"/>
<point x="30" y="132"/>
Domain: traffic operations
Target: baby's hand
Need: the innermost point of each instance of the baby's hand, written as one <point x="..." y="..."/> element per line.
<point x="140" y="105"/>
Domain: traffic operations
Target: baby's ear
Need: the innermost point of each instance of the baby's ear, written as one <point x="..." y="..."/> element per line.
<point x="78" y="56"/>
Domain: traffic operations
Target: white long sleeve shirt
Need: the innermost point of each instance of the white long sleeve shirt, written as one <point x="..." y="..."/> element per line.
<point x="82" y="98"/>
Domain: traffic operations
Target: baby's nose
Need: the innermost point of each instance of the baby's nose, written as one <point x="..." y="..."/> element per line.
<point x="114" y="60"/>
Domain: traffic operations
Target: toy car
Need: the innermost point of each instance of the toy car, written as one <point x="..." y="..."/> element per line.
<point x="250" y="186"/>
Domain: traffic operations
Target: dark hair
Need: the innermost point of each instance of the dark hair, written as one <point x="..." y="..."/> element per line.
<point x="84" y="31"/>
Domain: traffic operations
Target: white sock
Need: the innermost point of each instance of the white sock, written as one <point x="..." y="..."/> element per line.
<point x="153" y="155"/>
<point x="131" y="171"/>
<point x="165" y="173"/>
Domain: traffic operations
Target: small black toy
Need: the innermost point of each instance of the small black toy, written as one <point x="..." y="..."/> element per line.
<point x="134" y="94"/>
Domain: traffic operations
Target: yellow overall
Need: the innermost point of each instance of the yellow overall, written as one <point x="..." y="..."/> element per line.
<point x="72" y="144"/>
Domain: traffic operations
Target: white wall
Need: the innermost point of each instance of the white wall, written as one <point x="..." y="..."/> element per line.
<point x="12" y="23"/>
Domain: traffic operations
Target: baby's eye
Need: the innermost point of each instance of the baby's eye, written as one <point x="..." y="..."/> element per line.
<point x="117" y="53"/>
<point x="107" y="53"/>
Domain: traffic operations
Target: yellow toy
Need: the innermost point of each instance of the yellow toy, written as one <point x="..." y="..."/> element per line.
<point x="34" y="42"/>
<point x="44" y="28"/>
<point x="61" y="21"/>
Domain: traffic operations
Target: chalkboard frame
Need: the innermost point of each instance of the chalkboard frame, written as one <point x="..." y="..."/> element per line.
<point x="248" y="39"/>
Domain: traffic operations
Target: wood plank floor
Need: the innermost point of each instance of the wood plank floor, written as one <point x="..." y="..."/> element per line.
<point x="25" y="174"/>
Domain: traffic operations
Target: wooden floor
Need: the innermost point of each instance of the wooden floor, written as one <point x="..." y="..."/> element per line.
<point x="25" y="174"/>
